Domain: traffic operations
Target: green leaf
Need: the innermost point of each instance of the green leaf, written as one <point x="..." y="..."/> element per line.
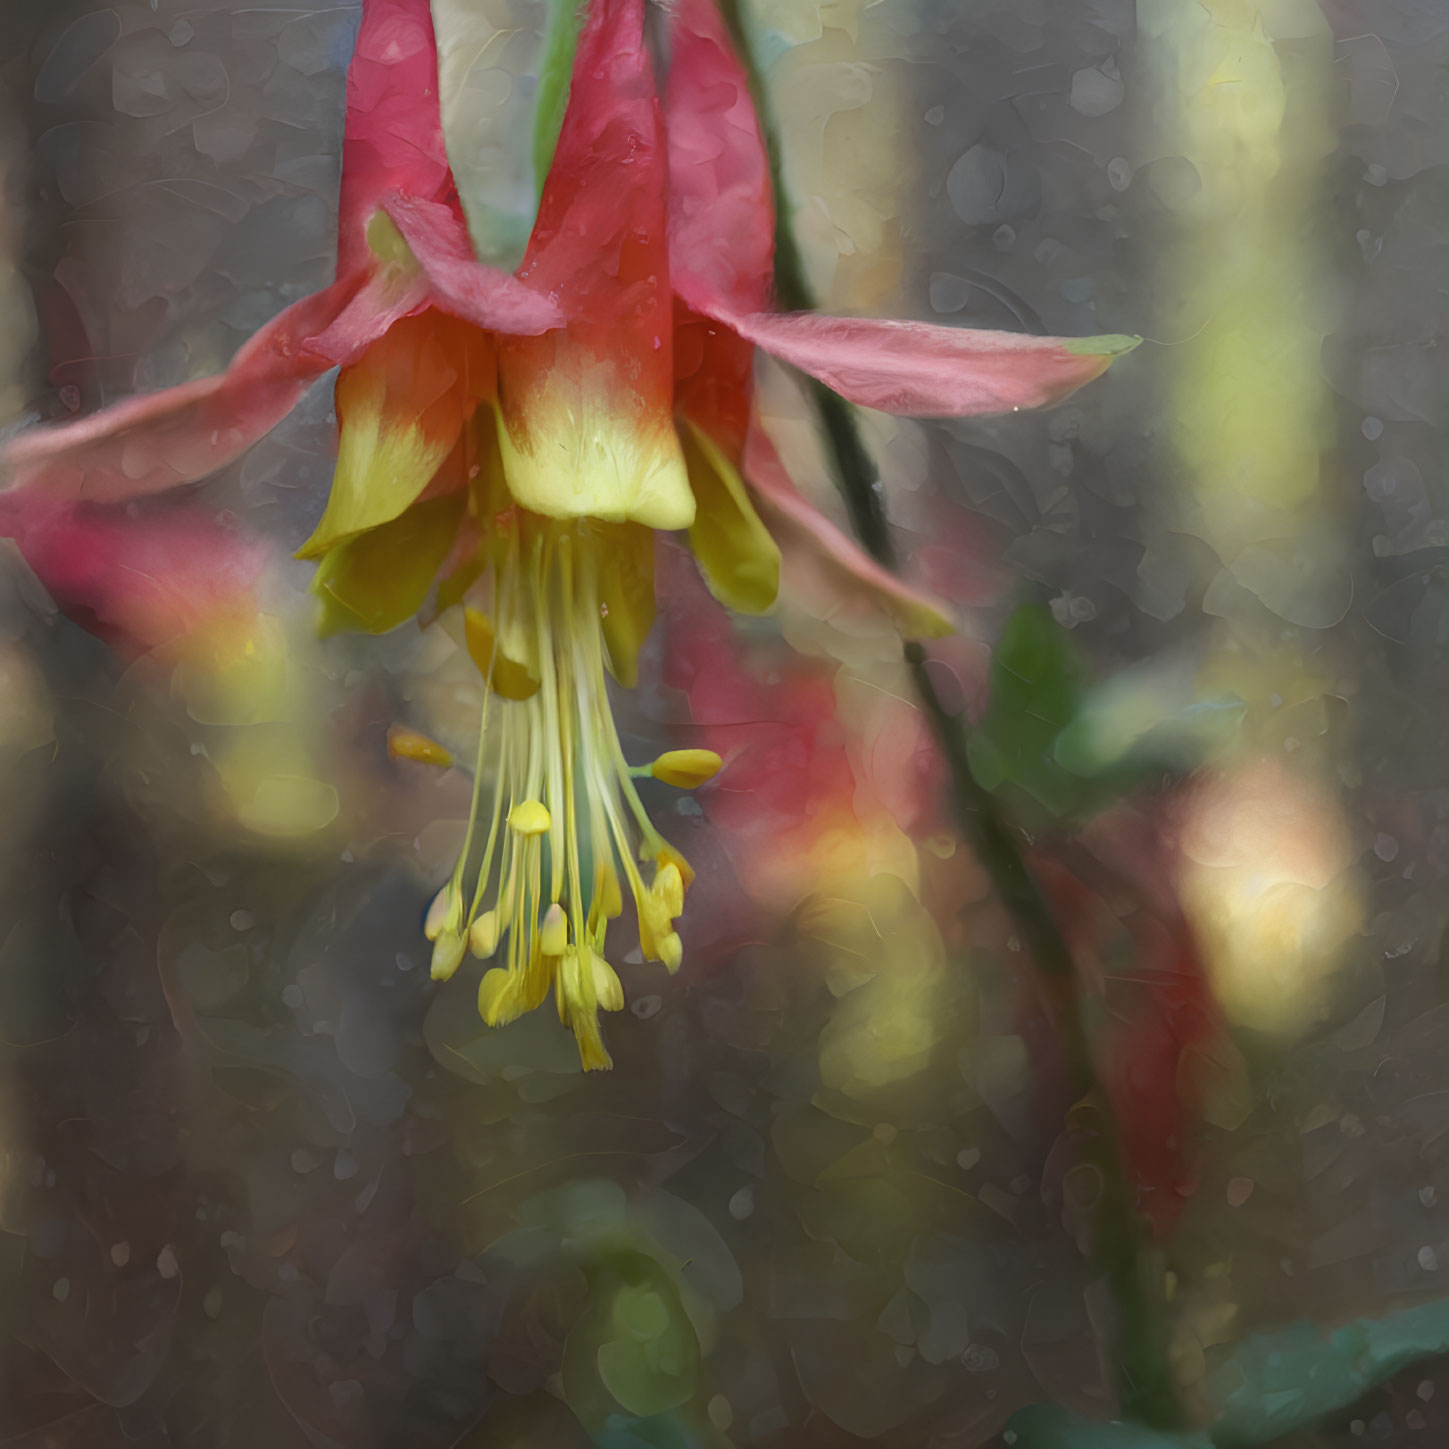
<point x="1036" y="687"/>
<point x="1273" y="1383"/>
<point x="1047" y="1426"/>
<point x="1147" y="719"/>
<point x="664" y="1431"/>
<point x="560" y="42"/>
<point x="634" y="1349"/>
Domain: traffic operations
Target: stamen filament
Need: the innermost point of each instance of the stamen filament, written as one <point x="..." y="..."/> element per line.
<point x="555" y="768"/>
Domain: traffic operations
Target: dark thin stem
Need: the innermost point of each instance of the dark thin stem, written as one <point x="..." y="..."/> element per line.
<point x="1144" y="1378"/>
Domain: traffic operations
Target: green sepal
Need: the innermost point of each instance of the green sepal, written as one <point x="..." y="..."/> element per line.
<point x="380" y="579"/>
<point x="555" y="73"/>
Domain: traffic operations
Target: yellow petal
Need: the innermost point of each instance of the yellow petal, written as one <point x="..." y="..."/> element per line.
<point x="626" y="592"/>
<point x="568" y="454"/>
<point x="739" y="559"/>
<point x="400" y="409"/>
<point x="380" y="578"/>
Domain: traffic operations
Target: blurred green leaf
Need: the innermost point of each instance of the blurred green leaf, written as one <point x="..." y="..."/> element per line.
<point x="1268" y="1386"/>
<point x="1075" y="749"/>
<point x="1147" y="719"/>
<point x="635" y="1350"/>
<point x="1036" y="687"/>
<point x="1276" y="1382"/>
<point x="1048" y="1426"/>
<point x="675" y="1430"/>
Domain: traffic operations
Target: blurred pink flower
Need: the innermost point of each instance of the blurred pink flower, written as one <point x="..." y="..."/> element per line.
<point x="137" y="582"/>
<point x="1161" y="1044"/>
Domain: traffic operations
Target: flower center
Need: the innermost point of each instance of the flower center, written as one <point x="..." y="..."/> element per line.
<point x="556" y="821"/>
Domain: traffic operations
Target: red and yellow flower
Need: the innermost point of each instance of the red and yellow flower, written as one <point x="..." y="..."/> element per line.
<point x="510" y="445"/>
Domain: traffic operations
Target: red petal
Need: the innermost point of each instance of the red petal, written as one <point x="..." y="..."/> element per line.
<point x="798" y="525"/>
<point x="917" y="369"/>
<point x="721" y="220"/>
<point x="150" y="443"/>
<point x="599" y="244"/>
<point x="721" y="205"/>
<point x="602" y="389"/>
<point x="495" y="301"/>
<point x="137" y="581"/>
<point x="1160" y="1026"/>
<point x="601" y="217"/>
<point x="714" y="372"/>
<point x="394" y="135"/>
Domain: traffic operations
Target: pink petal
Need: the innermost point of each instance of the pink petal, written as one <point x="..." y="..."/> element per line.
<point x="137" y="581"/>
<point x="721" y="205"/>
<point x="600" y="248"/>
<point x="495" y="301"/>
<point x="599" y="241"/>
<point x="147" y="444"/>
<point x="918" y="369"/>
<point x="806" y="535"/>
<point x="393" y="139"/>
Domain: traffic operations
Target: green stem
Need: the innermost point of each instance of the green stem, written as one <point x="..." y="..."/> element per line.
<point x="1144" y="1380"/>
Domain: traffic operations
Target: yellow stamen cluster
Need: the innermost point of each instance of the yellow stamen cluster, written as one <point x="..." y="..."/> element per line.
<point x="556" y="820"/>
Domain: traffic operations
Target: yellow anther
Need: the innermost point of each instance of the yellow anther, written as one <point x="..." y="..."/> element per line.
<point x="671" y="951"/>
<point x="668" y="889"/>
<point x="448" y="952"/>
<point x="510" y="677"/>
<point x="499" y="999"/>
<point x="592" y="1053"/>
<point x="610" y="897"/>
<point x="406" y="744"/>
<point x="608" y="989"/>
<point x="553" y="937"/>
<point x="483" y="935"/>
<point x="529" y="817"/>
<point x="569" y="988"/>
<point x="437" y="916"/>
<point x="686" y="768"/>
<point x="668" y="855"/>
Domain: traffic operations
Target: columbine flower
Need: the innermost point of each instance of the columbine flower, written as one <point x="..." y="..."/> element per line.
<point x="509" y="444"/>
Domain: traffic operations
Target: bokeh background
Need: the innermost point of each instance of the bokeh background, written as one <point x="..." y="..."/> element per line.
<point x="262" y="1182"/>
